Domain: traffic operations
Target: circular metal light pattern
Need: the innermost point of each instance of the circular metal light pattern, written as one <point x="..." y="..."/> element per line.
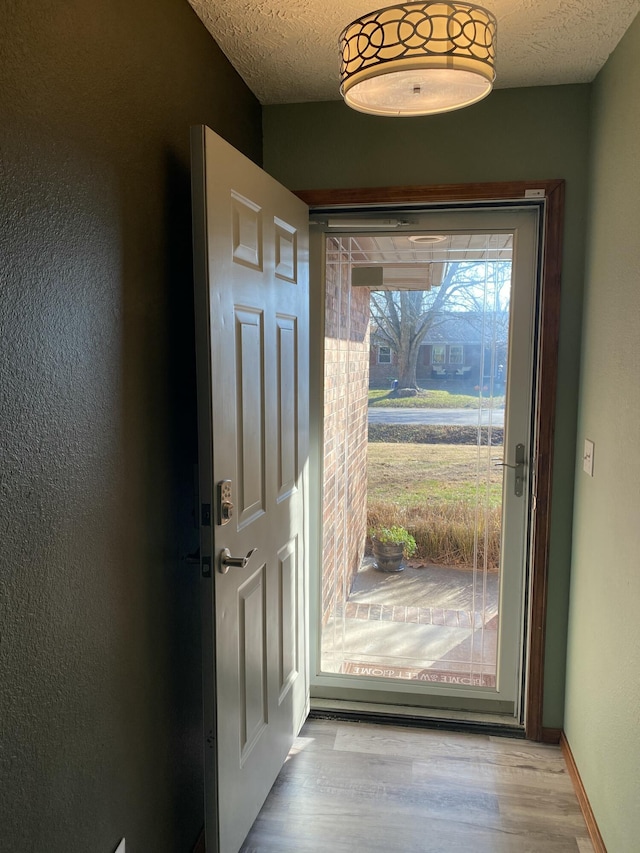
<point x="426" y="239"/>
<point x="418" y="58"/>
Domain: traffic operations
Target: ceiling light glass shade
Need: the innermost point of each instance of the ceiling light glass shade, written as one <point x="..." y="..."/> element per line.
<point x="418" y="59"/>
<point x="426" y="239"/>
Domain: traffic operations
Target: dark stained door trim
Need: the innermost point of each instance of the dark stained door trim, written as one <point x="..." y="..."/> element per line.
<point x="546" y="388"/>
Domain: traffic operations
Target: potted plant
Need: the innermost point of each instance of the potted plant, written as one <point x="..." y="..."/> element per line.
<point x="391" y="545"/>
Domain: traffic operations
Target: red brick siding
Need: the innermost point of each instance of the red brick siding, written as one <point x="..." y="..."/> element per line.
<point x="346" y="374"/>
<point x="382" y="375"/>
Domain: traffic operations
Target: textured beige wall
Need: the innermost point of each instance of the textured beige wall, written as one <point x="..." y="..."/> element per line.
<point x="346" y="372"/>
<point x="603" y="663"/>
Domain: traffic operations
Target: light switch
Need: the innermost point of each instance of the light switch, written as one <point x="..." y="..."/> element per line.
<point x="587" y="456"/>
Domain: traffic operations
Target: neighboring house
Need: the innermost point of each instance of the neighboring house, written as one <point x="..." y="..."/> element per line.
<point x="452" y="352"/>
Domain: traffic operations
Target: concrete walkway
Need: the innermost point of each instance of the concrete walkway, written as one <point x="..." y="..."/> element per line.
<point x="426" y="586"/>
<point x="430" y="623"/>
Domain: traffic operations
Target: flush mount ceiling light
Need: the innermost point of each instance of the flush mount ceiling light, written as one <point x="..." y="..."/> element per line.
<point x="418" y="59"/>
<point x="425" y="239"/>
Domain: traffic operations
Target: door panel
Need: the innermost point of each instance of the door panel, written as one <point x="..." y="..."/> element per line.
<point x="250" y="409"/>
<point x="286" y="251"/>
<point x="288" y="617"/>
<point x="247" y="232"/>
<point x="252" y="648"/>
<point x="287" y="406"/>
<point x="251" y="295"/>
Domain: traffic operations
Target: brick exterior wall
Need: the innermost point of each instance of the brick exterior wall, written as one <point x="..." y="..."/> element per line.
<point x="382" y="375"/>
<point x="346" y="385"/>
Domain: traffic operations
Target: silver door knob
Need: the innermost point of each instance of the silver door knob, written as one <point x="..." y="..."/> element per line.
<point x="228" y="562"/>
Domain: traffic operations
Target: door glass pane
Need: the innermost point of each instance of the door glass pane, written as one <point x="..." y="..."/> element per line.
<point x="413" y="451"/>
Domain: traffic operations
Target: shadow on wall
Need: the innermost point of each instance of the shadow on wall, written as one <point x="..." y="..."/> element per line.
<point x="183" y="616"/>
<point x="159" y="428"/>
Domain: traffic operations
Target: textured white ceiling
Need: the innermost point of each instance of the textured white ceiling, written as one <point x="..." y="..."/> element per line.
<point x="287" y="50"/>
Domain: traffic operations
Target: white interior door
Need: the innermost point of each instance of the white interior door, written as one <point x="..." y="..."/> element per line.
<point x="251" y="286"/>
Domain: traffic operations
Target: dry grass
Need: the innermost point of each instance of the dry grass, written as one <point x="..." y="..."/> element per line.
<point x="436" y="434"/>
<point x="433" y="491"/>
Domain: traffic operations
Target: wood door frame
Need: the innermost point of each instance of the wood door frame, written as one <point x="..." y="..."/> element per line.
<point x="551" y="193"/>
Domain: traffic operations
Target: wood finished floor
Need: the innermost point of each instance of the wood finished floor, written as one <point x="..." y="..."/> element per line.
<point x="360" y="788"/>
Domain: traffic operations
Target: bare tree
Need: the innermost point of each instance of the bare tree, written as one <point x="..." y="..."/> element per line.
<point x="400" y="319"/>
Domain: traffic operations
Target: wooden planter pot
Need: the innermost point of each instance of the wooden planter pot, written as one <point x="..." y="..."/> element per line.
<point x="388" y="556"/>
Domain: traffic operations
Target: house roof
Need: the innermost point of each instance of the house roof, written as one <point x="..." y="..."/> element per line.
<point x="463" y="327"/>
<point x="468" y="328"/>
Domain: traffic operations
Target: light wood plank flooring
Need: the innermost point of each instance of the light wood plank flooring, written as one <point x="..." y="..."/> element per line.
<point x="361" y="788"/>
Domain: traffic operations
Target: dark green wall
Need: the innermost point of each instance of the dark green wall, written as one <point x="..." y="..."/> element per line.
<point x="99" y="615"/>
<point x="513" y="134"/>
<point x="603" y="661"/>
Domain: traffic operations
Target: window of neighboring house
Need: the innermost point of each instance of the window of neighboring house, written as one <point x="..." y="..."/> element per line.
<point x="384" y="355"/>
<point x="456" y="354"/>
<point x="438" y="353"/>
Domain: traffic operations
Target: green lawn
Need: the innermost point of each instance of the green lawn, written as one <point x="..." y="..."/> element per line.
<point x="435" y="399"/>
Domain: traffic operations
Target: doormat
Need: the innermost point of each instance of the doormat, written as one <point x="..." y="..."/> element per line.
<point x="434" y="676"/>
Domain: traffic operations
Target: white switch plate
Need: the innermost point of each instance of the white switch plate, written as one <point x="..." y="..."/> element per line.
<point x="587" y="456"/>
<point x="121" y="847"/>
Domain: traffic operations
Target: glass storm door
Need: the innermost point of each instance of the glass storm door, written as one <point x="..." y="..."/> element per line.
<point x="428" y="374"/>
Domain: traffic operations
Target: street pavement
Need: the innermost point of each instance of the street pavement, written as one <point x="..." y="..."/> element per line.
<point x="444" y="417"/>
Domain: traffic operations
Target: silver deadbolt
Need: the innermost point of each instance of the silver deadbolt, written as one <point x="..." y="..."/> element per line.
<point x="228" y="562"/>
<point x="518" y="468"/>
<point x="225" y="504"/>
